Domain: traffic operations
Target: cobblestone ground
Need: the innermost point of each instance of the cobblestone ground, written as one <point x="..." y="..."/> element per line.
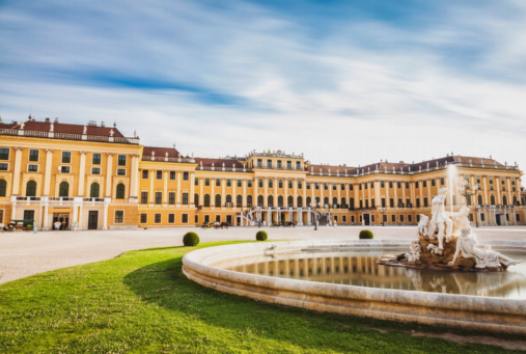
<point x="26" y="253"/>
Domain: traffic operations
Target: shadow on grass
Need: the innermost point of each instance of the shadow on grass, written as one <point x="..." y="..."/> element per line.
<point x="164" y="284"/>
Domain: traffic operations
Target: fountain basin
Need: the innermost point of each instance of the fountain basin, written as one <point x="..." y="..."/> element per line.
<point x="213" y="268"/>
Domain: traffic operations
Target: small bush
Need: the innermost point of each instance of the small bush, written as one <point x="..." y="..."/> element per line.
<point x="366" y="235"/>
<point x="191" y="239"/>
<point x="261" y="235"/>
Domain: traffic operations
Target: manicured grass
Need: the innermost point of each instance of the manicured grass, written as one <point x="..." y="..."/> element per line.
<point x="141" y="302"/>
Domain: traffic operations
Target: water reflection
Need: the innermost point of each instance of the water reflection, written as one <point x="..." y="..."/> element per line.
<point x="364" y="270"/>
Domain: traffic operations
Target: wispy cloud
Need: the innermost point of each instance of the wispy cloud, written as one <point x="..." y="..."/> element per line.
<point x="348" y="82"/>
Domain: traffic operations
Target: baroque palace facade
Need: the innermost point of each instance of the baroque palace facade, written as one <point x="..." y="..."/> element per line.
<point x="92" y="177"/>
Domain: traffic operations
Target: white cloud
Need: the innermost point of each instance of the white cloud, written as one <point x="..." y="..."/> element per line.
<point x="333" y="97"/>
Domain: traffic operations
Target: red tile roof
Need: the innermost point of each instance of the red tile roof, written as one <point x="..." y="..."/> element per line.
<point x="67" y="128"/>
<point x="218" y="163"/>
<point x="159" y="153"/>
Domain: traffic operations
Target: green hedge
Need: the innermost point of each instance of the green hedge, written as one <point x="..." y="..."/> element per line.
<point x="366" y="235"/>
<point x="261" y="235"/>
<point x="191" y="239"/>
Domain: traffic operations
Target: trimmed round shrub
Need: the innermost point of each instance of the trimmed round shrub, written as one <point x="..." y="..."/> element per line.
<point x="190" y="239"/>
<point x="366" y="235"/>
<point x="261" y="235"/>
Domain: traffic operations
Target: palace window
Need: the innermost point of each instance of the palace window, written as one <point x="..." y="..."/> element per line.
<point x="121" y="172"/>
<point x="280" y="184"/>
<point x="280" y="201"/>
<point x="185" y="218"/>
<point x="239" y="201"/>
<point x="426" y="204"/>
<point x="120" y="191"/>
<point x="32" y="168"/>
<point x="157" y="218"/>
<point x="300" y="202"/>
<point x="298" y="165"/>
<point x="249" y="184"/>
<point x="95" y="159"/>
<point x="289" y="165"/>
<point x="492" y="198"/>
<point x="260" y="163"/>
<point x="207" y="200"/>
<point x="172" y="175"/>
<point x="119" y="216"/>
<point x="290" y="184"/>
<point x="144" y="197"/>
<point x="207" y="181"/>
<point x="3" y="188"/>
<point x="279" y="164"/>
<point x="217" y="200"/>
<point x="94" y="190"/>
<point x="63" y="189"/>
<point x="95" y="170"/>
<point x="433" y="183"/>
<point x="159" y="174"/>
<point x="171" y="218"/>
<point x="144" y="218"/>
<point x="3" y="167"/>
<point x="31" y="189"/>
<point x="66" y="157"/>
<point x="260" y="200"/>
<point x="196" y="199"/>
<point x="196" y="181"/>
<point x="158" y="197"/>
<point x="122" y="160"/>
<point x="269" y="163"/>
<point x="249" y="201"/>
<point x="238" y="182"/>
<point x="229" y="183"/>
<point x="4" y="153"/>
<point x="270" y="200"/>
<point x="144" y="174"/>
<point x="185" y="199"/>
<point x="218" y="182"/>
<point x="290" y="201"/>
<point x="33" y="155"/>
<point x="185" y="176"/>
<point x="171" y="198"/>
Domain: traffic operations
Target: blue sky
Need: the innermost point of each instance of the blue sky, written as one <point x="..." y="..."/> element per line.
<point x="342" y="81"/>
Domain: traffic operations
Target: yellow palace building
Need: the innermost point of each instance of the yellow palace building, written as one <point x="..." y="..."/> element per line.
<point x="55" y="175"/>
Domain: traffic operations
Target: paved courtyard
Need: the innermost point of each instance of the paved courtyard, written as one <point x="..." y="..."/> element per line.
<point x="25" y="253"/>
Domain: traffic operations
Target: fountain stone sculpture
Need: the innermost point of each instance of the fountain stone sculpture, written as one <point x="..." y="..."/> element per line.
<point x="447" y="241"/>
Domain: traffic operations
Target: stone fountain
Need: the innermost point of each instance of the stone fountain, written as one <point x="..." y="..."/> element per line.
<point x="447" y="241"/>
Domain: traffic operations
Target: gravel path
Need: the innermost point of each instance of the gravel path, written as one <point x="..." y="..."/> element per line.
<point x="25" y="253"/>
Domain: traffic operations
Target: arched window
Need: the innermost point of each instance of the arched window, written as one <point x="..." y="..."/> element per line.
<point x="196" y="199"/>
<point x="317" y="202"/>
<point x="492" y="199"/>
<point x="309" y="201"/>
<point x="280" y="201"/>
<point x="207" y="200"/>
<point x="351" y="206"/>
<point x="479" y="200"/>
<point x="334" y="202"/>
<point x="300" y="202"/>
<point x="260" y="200"/>
<point x="239" y="201"/>
<point x="120" y="191"/>
<point x="3" y="188"/>
<point x="249" y="201"/>
<point x="31" y="189"/>
<point x="218" y="200"/>
<point x="228" y="200"/>
<point x="504" y="200"/>
<point x="270" y="201"/>
<point x="63" y="189"/>
<point x="290" y="201"/>
<point x="94" y="190"/>
<point x="325" y="202"/>
<point x="515" y="201"/>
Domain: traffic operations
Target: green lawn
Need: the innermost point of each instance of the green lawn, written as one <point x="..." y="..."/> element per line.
<point x="141" y="302"/>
